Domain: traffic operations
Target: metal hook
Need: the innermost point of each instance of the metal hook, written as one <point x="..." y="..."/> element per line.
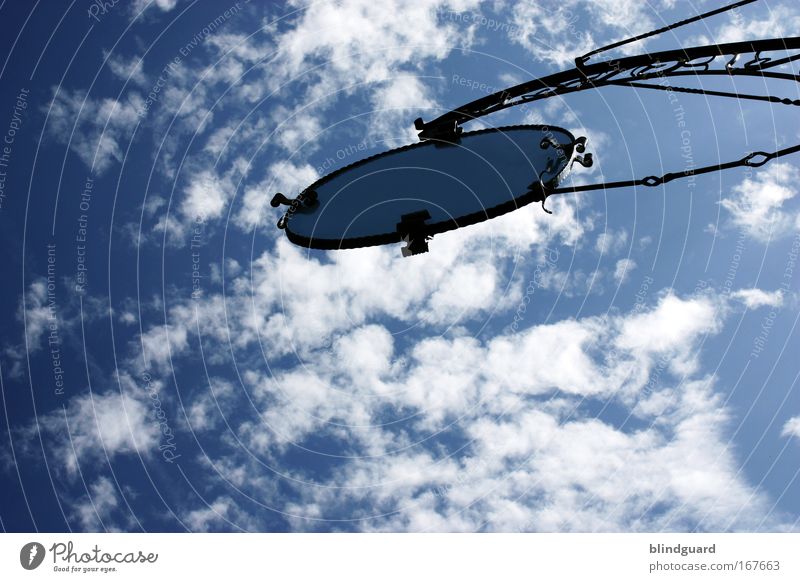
<point x="279" y="199"/>
<point x="586" y="160"/>
<point x="543" y="191"/>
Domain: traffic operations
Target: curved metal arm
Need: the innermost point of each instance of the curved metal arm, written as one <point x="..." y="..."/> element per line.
<point x="580" y="62"/>
<point x="722" y="59"/>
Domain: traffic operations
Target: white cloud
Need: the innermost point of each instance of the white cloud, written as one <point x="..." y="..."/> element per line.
<point x="162" y="5"/>
<point x="94" y="426"/>
<point x="97" y="130"/>
<point x="200" y="520"/>
<point x="541" y="471"/>
<point x="128" y="69"/>
<point x="780" y="20"/>
<point x="222" y="514"/>
<point x="97" y="509"/>
<point x="162" y="343"/>
<point x="396" y="102"/>
<point x="792" y="427"/>
<point x="556" y="32"/>
<point x="369" y="41"/>
<point x="534" y="461"/>
<point x="296" y="130"/>
<point x="128" y="317"/>
<point x="611" y="241"/>
<point x="39" y="313"/>
<point x="623" y="270"/>
<point x="301" y="301"/>
<point x="283" y="176"/>
<point x="757" y="206"/>
<point x="755" y="298"/>
<point x="668" y="328"/>
<point x="205" y="197"/>
<point x="49" y="315"/>
<point x="208" y="409"/>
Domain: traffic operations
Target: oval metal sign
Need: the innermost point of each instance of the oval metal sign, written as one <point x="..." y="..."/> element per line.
<point x="413" y="192"/>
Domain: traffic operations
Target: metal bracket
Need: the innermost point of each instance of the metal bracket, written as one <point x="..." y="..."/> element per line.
<point x="438" y="131"/>
<point x="579" y="146"/>
<point x="539" y="189"/>
<point x="412" y="230"/>
<point x="307" y="199"/>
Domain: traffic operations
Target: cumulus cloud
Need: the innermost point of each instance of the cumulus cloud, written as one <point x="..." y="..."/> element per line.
<point x="667" y="328"/>
<point x="162" y="5"/>
<point x="398" y="100"/>
<point x="128" y="69"/>
<point x="367" y="41"/>
<point x="780" y="20"/>
<point x="623" y="270"/>
<point x="40" y="312"/>
<point x="535" y="461"/>
<point x="221" y="514"/>
<point x="539" y="465"/>
<point x="755" y="298"/>
<point x="101" y="501"/>
<point x="91" y="428"/>
<point x="792" y="427"/>
<point x="300" y="300"/>
<point x="283" y="176"/>
<point x="205" y="197"/>
<point x="96" y="129"/>
<point x="555" y="32"/>
<point x="757" y="205"/>
<point x="611" y="241"/>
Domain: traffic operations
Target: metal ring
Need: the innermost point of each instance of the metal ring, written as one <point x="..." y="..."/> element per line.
<point x="749" y="160"/>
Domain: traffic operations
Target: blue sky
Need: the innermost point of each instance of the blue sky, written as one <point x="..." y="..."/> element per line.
<point x="170" y="362"/>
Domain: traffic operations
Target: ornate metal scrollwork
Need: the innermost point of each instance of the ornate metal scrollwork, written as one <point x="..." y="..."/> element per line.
<point x="696" y="61"/>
